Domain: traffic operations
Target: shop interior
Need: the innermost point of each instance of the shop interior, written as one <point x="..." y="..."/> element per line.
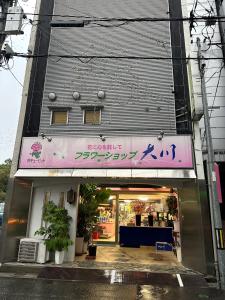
<point x="153" y="205"/>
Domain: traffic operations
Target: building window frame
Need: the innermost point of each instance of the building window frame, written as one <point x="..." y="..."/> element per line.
<point x="59" y="109"/>
<point x="92" y="109"/>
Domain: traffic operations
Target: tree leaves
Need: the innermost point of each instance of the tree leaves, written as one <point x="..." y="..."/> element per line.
<point x="90" y="198"/>
<point x="4" y="176"/>
<point x="56" y="233"/>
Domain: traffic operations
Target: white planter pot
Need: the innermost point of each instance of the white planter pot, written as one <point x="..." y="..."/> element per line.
<point x="79" y="245"/>
<point x="85" y="247"/>
<point x="59" y="257"/>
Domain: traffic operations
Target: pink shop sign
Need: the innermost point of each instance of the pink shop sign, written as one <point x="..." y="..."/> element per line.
<point x="172" y="152"/>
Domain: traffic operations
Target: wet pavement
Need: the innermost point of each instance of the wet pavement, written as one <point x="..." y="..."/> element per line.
<point x="93" y="264"/>
<point x="36" y="289"/>
<point x="121" y="277"/>
<point x="132" y="267"/>
<point x="170" y="293"/>
<point x="43" y="289"/>
<point x="41" y="282"/>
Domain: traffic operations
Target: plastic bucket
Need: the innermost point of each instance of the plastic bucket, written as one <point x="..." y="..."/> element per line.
<point x="92" y="249"/>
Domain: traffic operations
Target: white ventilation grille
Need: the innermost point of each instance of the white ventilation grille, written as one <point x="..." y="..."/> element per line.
<point x="28" y="250"/>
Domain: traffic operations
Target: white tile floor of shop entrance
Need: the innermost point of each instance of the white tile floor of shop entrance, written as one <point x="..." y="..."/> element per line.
<point x="145" y="257"/>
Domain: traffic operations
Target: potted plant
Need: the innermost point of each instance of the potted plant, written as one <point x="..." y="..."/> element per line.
<point x="172" y="205"/>
<point x="56" y="230"/>
<point x="90" y="198"/>
<point x="138" y="207"/>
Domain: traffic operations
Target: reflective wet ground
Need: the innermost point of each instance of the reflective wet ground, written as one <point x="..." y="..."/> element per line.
<point x="121" y="277"/>
<point x="144" y="255"/>
<point x="43" y="289"/>
<point x="113" y="279"/>
<point x="145" y="258"/>
<point x="35" y="289"/>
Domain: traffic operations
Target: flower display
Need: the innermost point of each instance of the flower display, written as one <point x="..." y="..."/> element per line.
<point x="138" y="207"/>
<point x="149" y="209"/>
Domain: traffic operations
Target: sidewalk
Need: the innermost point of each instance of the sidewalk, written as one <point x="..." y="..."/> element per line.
<point x="161" y="288"/>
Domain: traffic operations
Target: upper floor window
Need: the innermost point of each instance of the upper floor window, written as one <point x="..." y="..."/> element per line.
<point x="59" y="117"/>
<point x="92" y="116"/>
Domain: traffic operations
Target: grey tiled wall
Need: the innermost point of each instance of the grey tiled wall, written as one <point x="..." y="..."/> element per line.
<point x="139" y="98"/>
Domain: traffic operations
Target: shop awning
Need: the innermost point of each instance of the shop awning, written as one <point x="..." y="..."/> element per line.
<point x="110" y="173"/>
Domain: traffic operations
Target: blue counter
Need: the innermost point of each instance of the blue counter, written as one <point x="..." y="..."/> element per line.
<point x="135" y="236"/>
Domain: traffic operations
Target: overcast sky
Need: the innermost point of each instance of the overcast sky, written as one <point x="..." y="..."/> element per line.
<point x="11" y="90"/>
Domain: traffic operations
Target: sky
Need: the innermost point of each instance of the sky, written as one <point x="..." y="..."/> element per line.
<point x="11" y="90"/>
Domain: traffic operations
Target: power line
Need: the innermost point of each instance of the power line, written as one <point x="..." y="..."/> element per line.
<point x="214" y="99"/>
<point x="122" y="19"/>
<point x="24" y="55"/>
<point x="15" y="77"/>
<point x="216" y="89"/>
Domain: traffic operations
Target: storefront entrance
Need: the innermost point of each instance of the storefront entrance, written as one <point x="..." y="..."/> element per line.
<point x="140" y="213"/>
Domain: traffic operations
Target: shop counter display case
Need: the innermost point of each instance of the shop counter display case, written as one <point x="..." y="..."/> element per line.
<point x="136" y="236"/>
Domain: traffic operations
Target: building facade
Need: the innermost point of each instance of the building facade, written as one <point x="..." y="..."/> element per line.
<point x="108" y="103"/>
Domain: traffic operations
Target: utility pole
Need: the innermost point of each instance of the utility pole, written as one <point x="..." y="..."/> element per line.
<point x="4" y="23"/>
<point x="4" y="5"/>
<point x="216" y="222"/>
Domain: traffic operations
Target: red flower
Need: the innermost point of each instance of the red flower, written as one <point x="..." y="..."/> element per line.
<point x="138" y="207"/>
<point x="36" y="147"/>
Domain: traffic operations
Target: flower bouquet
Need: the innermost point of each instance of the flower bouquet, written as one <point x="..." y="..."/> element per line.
<point x="149" y="209"/>
<point x="138" y="208"/>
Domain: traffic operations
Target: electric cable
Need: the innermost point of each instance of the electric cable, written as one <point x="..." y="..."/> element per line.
<point x="123" y="19"/>
<point x="24" y="55"/>
<point x="15" y="77"/>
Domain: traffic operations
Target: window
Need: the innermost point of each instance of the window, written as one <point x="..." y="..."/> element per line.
<point x="92" y="116"/>
<point x="59" y="117"/>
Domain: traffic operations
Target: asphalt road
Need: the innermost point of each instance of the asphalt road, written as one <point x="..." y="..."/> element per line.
<point x="13" y="288"/>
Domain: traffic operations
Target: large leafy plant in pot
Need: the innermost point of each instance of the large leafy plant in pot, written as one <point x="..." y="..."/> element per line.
<point x="172" y="209"/>
<point x="90" y="198"/>
<point x="56" y="230"/>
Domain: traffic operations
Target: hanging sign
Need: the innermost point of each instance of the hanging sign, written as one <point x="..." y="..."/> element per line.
<point x="115" y="152"/>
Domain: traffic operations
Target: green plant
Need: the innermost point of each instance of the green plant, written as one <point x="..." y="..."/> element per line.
<point x="172" y="205"/>
<point x="90" y="198"/>
<point x="4" y="176"/>
<point x="56" y="231"/>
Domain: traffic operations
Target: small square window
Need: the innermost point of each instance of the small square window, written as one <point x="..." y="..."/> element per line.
<point x="59" y="117"/>
<point x="92" y="116"/>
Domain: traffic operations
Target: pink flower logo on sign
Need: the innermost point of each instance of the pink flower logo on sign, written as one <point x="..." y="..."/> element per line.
<point x="36" y="147"/>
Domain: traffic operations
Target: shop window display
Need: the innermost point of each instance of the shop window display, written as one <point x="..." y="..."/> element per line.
<point x="156" y="210"/>
<point x="105" y="228"/>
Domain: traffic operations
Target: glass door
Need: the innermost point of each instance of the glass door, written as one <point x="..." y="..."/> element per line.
<point x="105" y="229"/>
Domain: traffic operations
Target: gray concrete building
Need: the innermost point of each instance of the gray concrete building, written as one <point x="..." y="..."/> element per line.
<point x="108" y="103"/>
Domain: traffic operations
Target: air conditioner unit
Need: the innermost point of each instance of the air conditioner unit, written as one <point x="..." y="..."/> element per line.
<point x="32" y="250"/>
<point x="43" y="253"/>
<point x="28" y="250"/>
